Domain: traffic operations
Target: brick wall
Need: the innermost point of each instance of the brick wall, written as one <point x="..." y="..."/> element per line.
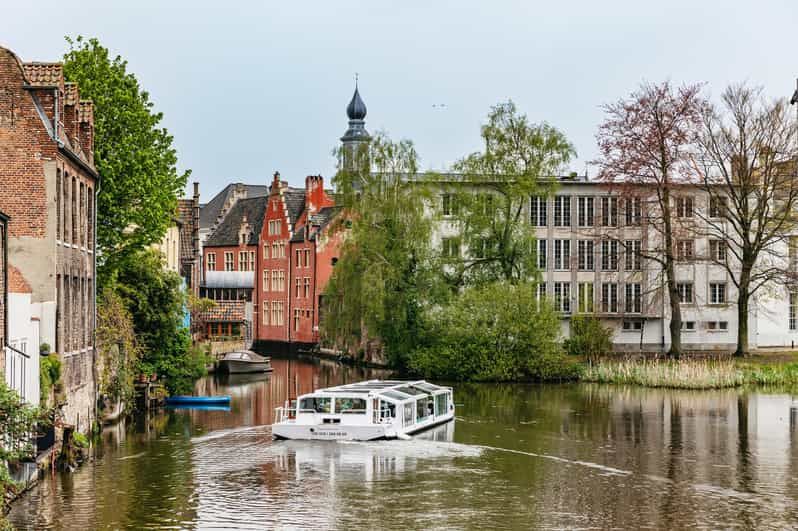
<point x="47" y="187"/>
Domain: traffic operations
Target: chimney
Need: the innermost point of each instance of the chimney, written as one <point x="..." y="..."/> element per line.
<point x="275" y="186"/>
<point x="314" y="193"/>
<point x="85" y="117"/>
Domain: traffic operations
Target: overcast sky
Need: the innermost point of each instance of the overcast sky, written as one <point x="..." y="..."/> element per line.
<point x="249" y="88"/>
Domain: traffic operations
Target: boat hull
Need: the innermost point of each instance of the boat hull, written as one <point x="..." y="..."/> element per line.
<point x="197" y="400"/>
<point x="338" y="432"/>
<point x="242" y="367"/>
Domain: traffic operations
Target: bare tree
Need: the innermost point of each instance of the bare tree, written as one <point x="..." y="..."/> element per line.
<point x="746" y="159"/>
<point x="644" y="143"/>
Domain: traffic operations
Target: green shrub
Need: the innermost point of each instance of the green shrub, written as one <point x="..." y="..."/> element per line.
<point x="589" y="338"/>
<point x="494" y="332"/>
<point x="49" y="374"/>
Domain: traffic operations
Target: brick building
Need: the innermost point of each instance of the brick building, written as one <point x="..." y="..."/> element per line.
<point x="297" y="254"/>
<point x="229" y="258"/>
<point x="48" y="186"/>
<point x="188" y="215"/>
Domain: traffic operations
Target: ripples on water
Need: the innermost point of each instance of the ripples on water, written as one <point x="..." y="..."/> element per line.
<point x="517" y="457"/>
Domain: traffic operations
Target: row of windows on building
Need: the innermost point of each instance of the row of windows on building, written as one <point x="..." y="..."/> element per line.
<point x="636" y="325"/>
<point x="611" y="209"/>
<point x="75" y="312"/>
<point x="273" y="280"/>
<point x="246" y="261"/>
<point x="586" y="252"/>
<point x="74" y="211"/>
<point x="609" y="301"/>
<point x="278" y="250"/>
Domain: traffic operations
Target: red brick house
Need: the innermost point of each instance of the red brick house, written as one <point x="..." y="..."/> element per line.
<point x="48" y="186"/>
<point x="295" y="262"/>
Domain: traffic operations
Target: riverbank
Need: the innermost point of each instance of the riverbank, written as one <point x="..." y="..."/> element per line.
<point x="777" y="369"/>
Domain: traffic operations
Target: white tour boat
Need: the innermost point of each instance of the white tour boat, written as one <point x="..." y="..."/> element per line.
<point x="376" y="409"/>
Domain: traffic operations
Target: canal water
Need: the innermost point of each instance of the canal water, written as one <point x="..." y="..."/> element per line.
<point x="517" y="457"/>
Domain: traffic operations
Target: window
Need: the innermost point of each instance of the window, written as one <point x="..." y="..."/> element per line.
<point x="298" y="257"/>
<point x="562" y="211"/>
<point x="609" y="211"/>
<point x="541" y="293"/>
<point x="792" y="249"/>
<point x="684" y="207"/>
<point x="585" y="254"/>
<point x="541" y="254"/>
<point x="275" y="227"/>
<point x="90" y="219"/>
<point x="451" y="247"/>
<point x="634" y="211"/>
<point x="685" y="290"/>
<point x="228" y="261"/>
<point x="266" y="251"/>
<point x="242" y="261"/>
<point x="585" y="211"/>
<point x="306" y="253"/>
<point x="266" y="312"/>
<point x="478" y="248"/>
<point x="717" y="207"/>
<point x="634" y="299"/>
<point x="562" y="254"/>
<point x="562" y="297"/>
<point x="211" y="262"/>
<point x="486" y="201"/>
<point x="632" y="255"/>
<point x="688" y="326"/>
<point x="316" y="403"/>
<point x="538" y="214"/>
<point x="585" y="294"/>
<point x="718" y="326"/>
<point x="307" y="287"/>
<point x="350" y="405"/>
<point x="296" y="320"/>
<point x="274" y="280"/>
<point x="58" y="191"/>
<point x="717" y="293"/>
<point x="609" y="297"/>
<point x="281" y="280"/>
<point x="717" y="250"/>
<point x="449" y="204"/>
<point x="297" y="287"/>
<point x="632" y="325"/>
<point x="685" y="250"/>
<point x="609" y="255"/>
<point x="75" y="213"/>
<point x="793" y="309"/>
<point x="265" y="280"/>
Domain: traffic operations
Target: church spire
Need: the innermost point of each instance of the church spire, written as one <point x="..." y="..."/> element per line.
<point x="356" y="135"/>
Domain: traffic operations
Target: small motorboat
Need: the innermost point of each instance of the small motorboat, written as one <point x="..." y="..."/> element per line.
<point x="376" y="409"/>
<point x="185" y="400"/>
<point x="244" y="361"/>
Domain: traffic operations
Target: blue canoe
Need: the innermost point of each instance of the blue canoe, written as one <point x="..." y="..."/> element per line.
<point x="197" y="407"/>
<point x="181" y="400"/>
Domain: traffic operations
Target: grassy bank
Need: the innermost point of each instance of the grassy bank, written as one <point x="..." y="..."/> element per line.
<point x="695" y="374"/>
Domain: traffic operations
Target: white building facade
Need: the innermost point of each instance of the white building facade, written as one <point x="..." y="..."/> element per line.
<point x="590" y="238"/>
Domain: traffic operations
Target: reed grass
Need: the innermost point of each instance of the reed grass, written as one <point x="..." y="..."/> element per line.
<point x="683" y="374"/>
<point x="693" y="374"/>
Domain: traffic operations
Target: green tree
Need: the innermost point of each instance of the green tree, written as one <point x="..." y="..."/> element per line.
<point x="517" y="162"/>
<point x="494" y="332"/>
<point x="156" y="301"/>
<point x="118" y="349"/>
<point x="589" y="338"/>
<point x="375" y="290"/>
<point x="133" y="154"/>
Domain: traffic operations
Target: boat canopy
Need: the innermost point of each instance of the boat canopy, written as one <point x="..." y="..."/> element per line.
<point x="394" y="390"/>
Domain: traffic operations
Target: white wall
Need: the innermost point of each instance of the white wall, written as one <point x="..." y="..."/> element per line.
<point x="22" y="374"/>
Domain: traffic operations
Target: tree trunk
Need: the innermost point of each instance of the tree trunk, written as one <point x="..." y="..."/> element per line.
<point x="670" y="276"/>
<point x="743" y="295"/>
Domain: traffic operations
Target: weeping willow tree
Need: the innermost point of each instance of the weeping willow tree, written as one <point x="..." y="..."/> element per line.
<point x="374" y="297"/>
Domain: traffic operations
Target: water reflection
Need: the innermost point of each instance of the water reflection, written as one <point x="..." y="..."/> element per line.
<point x="521" y="456"/>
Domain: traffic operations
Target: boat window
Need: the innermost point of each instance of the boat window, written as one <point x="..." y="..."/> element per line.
<point x="440" y="403"/>
<point x="319" y="404"/>
<point x="428" y="387"/>
<point x="423" y="408"/>
<point x="410" y="391"/>
<point x="348" y="405"/>
<point x="395" y="395"/>
<point x="408" y="414"/>
<point x="387" y="410"/>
